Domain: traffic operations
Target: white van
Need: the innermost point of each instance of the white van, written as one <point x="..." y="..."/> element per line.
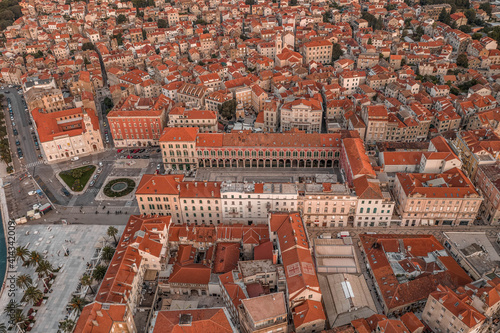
<point x="343" y="234"/>
<point x="76" y="158"/>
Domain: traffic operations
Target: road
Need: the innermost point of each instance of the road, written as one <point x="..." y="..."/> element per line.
<point x="25" y="137"/>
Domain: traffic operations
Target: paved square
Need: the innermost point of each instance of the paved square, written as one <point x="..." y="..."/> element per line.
<point x="81" y="241"/>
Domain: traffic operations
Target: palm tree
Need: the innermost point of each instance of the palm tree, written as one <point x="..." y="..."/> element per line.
<point x="67" y="325"/>
<point x="99" y="272"/>
<point x="22" y="253"/>
<point x="44" y="268"/>
<point x="19" y="317"/>
<point x="86" y="280"/>
<point x="32" y="294"/>
<point x="112" y="231"/>
<point x="77" y="303"/>
<point x="24" y="281"/>
<point x="34" y="258"/>
<point x="11" y="306"/>
<point x="107" y="253"/>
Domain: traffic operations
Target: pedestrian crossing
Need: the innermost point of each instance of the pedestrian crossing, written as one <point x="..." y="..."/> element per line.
<point x="33" y="164"/>
<point x="93" y="190"/>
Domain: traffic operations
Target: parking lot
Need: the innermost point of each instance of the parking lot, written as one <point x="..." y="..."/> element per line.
<point x="139" y="153"/>
<point x="21" y="196"/>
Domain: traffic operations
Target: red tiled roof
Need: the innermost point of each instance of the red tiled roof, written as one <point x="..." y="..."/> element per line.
<point x="159" y="184"/>
<point x="367" y="189"/>
<point x="200" y="320"/>
<point x="190" y="274"/>
<point x="356" y="154"/>
<point x="200" y="190"/>
<point x="95" y="319"/>
<point x="117" y="282"/>
<point x="227" y="256"/>
<point x="402" y="157"/>
<point x="263" y="251"/>
<point x="412" y="322"/>
<point x="307" y="312"/>
<point x="179" y="134"/>
<point x="396" y="294"/>
<point x="49" y="125"/>
<point x="456" y="184"/>
<point x="458" y="306"/>
<point x="294" y="249"/>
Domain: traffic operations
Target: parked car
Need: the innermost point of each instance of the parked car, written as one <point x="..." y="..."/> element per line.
<point x="65" y="192"/>
<point x="158" y="150"/>
<point x="76" y="158"/>
<point x="91" y="183"/>
<point x="15" y="132"/>
<point x="119" y="150"/>
<point x="18" y="143"/>
<point x="31" y="192"/>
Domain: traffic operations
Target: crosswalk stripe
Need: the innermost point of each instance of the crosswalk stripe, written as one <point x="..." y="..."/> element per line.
<point x="32" y="164"/>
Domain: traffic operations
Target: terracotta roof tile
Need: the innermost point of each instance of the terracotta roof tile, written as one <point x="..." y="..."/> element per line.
<point x="200" y="320"/>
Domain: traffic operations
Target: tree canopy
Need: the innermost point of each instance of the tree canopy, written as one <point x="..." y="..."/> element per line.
<point x="373" y="22"/>
<point x="336" y="52"/>
<point x="462" y="60"/>
<point x="471" y="15"/>
<point x="465" y="28"/>
<point x="444" y="17"/>
<point x="9" y="12"/>
<point x="162" y="23"/>
<point x="228" y="109"/>
<point x="88" y="46"/>
<point x="486" y="7"/>
<point x="121" y="19"/>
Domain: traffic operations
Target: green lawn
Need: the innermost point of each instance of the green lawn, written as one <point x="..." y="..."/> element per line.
<point x="77" y="184"/>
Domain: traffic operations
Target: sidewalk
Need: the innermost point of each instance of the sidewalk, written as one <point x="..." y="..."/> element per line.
<point x="88" y="216"/>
